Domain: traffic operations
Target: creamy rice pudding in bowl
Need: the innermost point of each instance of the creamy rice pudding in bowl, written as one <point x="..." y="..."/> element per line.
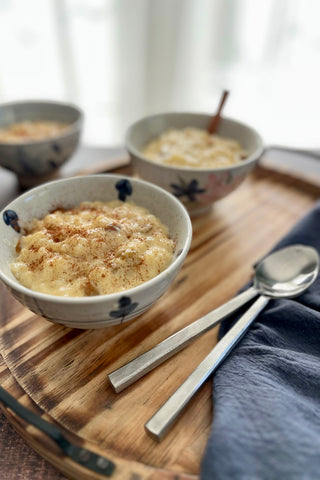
<point x="92" y="251"/>
<point x="37" y="138"/>
<point x="174" y="151"/>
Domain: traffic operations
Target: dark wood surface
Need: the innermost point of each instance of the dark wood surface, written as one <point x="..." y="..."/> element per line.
<point x="239" y="230"/>
<point x="18" y="460"/>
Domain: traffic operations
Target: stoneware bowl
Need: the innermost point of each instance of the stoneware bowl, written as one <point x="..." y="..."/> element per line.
<point x="101" y="310"/>
<point x="196" y="188"/>
<point x="35" y="162"/>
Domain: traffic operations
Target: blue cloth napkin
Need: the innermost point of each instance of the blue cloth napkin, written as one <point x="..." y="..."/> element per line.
<point x="266" y="395"/>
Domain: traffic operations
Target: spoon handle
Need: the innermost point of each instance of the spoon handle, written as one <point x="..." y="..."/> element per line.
<point x="136" y="368"/>
<point x="164" y="418"/>
<point x="216" y="119"/>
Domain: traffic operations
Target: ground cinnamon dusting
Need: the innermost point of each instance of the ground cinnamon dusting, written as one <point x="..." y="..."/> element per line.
<point x="93" y="249"/>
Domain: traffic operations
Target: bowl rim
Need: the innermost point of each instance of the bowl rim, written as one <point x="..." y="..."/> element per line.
<point x="247" y="161"/>
<point x="71" y="129"/>
<point x="96" y="299"/>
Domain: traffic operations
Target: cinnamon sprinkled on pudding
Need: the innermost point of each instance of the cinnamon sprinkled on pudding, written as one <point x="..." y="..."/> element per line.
<point x="96" y="248"/>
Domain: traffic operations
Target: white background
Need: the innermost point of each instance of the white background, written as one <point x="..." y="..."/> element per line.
<point x="123" y="59"/>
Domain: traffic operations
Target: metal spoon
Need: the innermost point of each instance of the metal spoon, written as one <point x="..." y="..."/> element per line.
<point x="141" y="365"/>
<point x="286" y="273"/>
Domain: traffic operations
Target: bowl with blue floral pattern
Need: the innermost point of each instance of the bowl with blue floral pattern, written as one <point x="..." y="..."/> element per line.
<point x="93" y="310"/>
<point x="37" y="138"/>
<point x="198" y="176"/>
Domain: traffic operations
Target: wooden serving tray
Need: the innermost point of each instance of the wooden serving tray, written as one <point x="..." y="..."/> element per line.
<point x="61" y="373"/>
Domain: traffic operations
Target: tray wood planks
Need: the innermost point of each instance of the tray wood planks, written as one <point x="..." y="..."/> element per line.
<point x="61" y="373"/>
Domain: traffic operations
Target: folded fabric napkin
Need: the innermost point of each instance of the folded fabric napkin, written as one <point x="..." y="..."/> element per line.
<point x="266" y="395"/>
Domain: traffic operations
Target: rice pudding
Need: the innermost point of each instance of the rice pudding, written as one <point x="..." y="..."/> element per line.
<point x="194" y="148"/>
<point x="95" y="248"/>
<point x="31" y="131"/>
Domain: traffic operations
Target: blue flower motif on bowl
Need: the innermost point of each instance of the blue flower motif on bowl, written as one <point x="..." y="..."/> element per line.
<point x="56" y="147"/>
<point x="23" y="160"/>
<point x="11" y="219"/>
<point x="124" y="188"/>
<point x="125" y="307"/>
<point x="189" y="190"/>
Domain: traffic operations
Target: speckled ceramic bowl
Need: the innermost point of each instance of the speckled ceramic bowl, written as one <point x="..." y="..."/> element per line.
<point x="35" y="162"/>
<point x="101" y="310"/>
<point x="196" y="188"/>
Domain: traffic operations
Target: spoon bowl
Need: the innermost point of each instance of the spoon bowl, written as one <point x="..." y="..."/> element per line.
<point x="287" y="272"/>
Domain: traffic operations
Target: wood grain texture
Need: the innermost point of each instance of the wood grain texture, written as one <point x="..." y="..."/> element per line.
<point x="63" y="371"/>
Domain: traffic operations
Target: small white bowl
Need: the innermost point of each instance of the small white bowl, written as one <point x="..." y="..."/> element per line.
<point x="35" y="162"/>
<point x="101" y="310"/>
<point x="196" y="188"/>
